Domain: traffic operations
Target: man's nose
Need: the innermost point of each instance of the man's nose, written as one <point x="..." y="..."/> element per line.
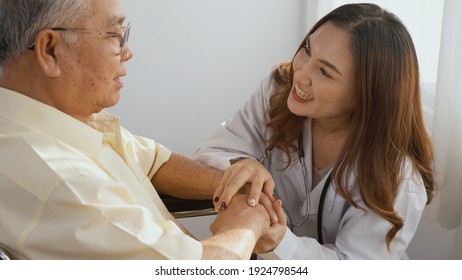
<point x="127" y="53"/>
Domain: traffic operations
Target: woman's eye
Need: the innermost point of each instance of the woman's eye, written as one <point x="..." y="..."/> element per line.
<point x="324" y="72"/>
<point x="307" y="50"/>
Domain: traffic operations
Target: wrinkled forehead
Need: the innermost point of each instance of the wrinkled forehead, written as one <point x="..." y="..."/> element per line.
<point x="104" y="13"/>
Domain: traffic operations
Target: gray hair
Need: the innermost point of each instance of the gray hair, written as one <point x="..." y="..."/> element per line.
<point x="21" y="20"/>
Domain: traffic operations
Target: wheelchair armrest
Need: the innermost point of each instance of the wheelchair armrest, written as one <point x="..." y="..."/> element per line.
<point x="185" y="208"/>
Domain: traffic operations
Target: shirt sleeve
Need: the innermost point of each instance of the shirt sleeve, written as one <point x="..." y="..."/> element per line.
<point x="242" y="136"/>
<point x="149" y="154"/>
<point x="95" y="218"/>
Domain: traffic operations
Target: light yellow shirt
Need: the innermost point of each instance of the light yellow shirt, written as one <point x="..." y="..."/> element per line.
<point x="70" y="190"/>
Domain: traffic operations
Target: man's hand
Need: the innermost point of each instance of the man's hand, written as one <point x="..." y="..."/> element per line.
<point x="236" y="230"/>
<point x="239" y="215"/>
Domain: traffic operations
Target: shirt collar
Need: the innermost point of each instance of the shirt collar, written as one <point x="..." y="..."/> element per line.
<point x="31" y="113"/>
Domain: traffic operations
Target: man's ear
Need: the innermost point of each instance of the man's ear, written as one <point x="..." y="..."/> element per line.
<point x="47" y="43"/>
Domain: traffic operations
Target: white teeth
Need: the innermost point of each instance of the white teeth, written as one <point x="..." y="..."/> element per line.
<point x="303" y="95"/>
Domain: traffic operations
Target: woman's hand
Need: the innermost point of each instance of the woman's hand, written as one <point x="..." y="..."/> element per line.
<point x="245" y="176"/>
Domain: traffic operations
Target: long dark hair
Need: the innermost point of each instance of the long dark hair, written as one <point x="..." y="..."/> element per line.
<point x="387" y="124"/>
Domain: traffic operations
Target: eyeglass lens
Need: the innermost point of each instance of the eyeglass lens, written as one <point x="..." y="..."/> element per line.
<point x="125" y="36"/>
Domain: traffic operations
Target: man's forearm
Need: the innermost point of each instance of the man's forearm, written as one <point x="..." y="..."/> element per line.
<point x="233" y="244"/>
<point x="185" y="178"/>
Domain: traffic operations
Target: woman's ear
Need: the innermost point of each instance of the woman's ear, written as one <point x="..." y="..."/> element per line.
<point x="47" y="42"/>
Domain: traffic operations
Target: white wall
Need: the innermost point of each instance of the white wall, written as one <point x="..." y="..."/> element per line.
<point x="196" y="62"/>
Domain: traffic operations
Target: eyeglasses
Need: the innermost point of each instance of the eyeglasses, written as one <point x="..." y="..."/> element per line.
<point x="123" y="36"/>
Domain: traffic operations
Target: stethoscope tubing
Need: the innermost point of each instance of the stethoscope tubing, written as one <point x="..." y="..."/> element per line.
<point x="301" y="157"/>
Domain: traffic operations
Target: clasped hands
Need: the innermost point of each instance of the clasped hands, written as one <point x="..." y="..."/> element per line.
<point x="244" y="199"/>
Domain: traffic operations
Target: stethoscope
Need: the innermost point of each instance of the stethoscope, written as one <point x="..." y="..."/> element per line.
<point x="301" y="158"/>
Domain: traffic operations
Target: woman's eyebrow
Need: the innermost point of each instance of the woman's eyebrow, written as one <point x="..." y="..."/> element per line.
<point x="325" y="62"/>
<point x="330" y="65"/>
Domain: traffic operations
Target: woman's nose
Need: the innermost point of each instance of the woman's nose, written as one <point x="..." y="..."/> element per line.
<point x="303" y="75"/>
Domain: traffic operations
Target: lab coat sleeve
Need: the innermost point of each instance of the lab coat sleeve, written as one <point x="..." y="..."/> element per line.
<point x="294" y="247"/>
<point x="361" y="235"/>
<point x="242" y="136"/>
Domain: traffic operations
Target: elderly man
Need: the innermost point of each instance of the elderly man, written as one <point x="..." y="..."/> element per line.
<point x="73" y="183"/>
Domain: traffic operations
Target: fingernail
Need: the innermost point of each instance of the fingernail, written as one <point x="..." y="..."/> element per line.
<point x="215" y="199"/>
<point x="223" y="205"/>
<point x="252" y="202"/>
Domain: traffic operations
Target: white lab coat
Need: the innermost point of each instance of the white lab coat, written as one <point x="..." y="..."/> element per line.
<point x="348" y="232"/>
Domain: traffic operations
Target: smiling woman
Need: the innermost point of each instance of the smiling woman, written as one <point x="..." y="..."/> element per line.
<point x="344" y="100"/>
<point x="324" y="68"/>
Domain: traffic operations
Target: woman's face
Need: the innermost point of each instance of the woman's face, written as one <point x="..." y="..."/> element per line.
<point x="323" y="85"/>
